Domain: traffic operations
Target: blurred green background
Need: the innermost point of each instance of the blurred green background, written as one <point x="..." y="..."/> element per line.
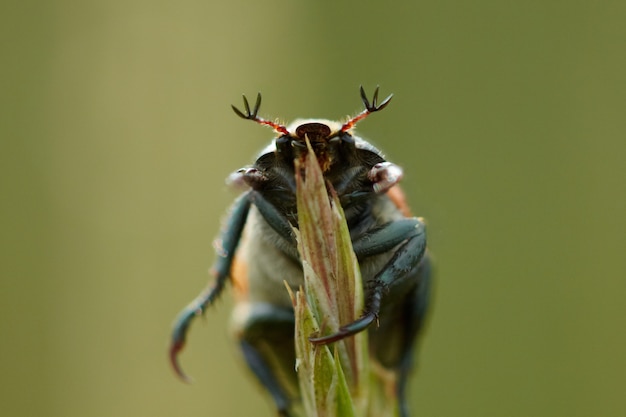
<point x="117" y="134"/>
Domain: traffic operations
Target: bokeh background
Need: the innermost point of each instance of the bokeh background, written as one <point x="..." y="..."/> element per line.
<point x="116" y="136"/>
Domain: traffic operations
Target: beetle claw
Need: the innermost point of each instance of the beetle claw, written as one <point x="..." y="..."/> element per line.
<point x="178" y="340"/>
<point x="175" y="348"/>
<point x="348" y="330"/>
<point x="179" y="334"/>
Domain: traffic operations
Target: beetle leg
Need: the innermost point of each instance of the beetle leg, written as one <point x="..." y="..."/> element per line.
<point x="400" y="324"/>
<point x="277" y="220"/>
<point x="354" y="198"/>
<point x="417" y="309"/>
<point x="403" y="262"/>
<point x="387" y="237"/>
<point x="384" y="175"/>
<point x="225" y="248"/>
<point x="265" y="334"/>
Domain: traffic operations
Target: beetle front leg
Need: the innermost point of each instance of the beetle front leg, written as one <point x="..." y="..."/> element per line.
<point x="387" y="237"/>
<point x="254" y="178"/>
<point x="400" y="324"/>
<point x="277" y="221"/>
<point x="399" y="267"/>
<point x="225" y="248"/>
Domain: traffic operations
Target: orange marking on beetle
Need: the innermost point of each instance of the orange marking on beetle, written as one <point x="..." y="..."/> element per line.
<point x="239" y="278"/>
<point x="396" y="195"/>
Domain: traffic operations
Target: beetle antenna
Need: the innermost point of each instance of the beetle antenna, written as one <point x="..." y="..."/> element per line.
<point x="252" y="115"/>
<point x="370" y="107"/>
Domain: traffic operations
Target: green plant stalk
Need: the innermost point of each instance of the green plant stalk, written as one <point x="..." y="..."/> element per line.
<point x="335" y="380"/>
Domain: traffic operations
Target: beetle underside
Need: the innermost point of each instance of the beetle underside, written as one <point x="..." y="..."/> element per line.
<point x="258" y="248"/>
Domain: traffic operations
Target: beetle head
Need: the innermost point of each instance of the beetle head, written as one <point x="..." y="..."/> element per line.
<point x="316" y="132"/>
<point x="324" y="135"/>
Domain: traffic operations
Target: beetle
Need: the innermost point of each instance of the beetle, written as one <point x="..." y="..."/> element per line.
<point x="257" y="253"/>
